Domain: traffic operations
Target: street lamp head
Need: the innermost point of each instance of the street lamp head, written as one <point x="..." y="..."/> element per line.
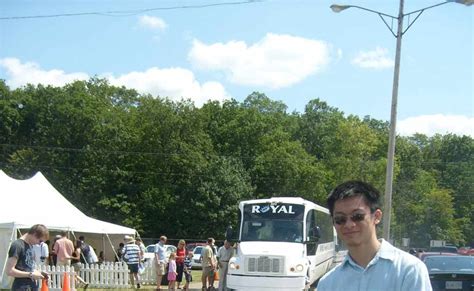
<point x="338" y="8"/>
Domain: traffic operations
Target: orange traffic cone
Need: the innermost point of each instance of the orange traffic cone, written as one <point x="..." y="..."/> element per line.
<point x="44" y="285"/>
<point x="66" y="286"/>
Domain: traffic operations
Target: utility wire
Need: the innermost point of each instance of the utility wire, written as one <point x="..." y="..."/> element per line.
<point x="126" y="13"/>
<point x="170" y="154"/>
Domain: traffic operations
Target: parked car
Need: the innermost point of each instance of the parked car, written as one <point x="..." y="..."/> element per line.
<point x="466" y="251"/>
<point x="425" y="255"/>
<point x="451" y="272"/>
<point x="150" y="251"/>
<point x="191" y="246"/>
<point x="150" y="255"/>
<point x="445" y="249"/>
<point x="197" y="262"/>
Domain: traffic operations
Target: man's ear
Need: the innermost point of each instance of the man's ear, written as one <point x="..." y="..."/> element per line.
<point x="378" y="216"/>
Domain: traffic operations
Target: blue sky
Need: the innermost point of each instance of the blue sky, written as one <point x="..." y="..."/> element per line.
<point x="291" y="50"/>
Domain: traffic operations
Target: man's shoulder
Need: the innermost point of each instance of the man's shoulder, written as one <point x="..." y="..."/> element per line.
<point x="331" y="276"/>
<point x="132" y="246"/>
<point x="160" y="247"/>
<point x="399" y="256"/>
<point x="17" y="244"/>
<point x="404" y="263"/>
<point x="69" y="243"/>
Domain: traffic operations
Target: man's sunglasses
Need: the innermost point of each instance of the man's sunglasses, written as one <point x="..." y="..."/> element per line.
<point x="342" y="219"/>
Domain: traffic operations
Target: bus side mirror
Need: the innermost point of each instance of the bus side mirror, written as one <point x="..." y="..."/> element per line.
<point x="315" y="234"/>
<point x="229" y="233"/>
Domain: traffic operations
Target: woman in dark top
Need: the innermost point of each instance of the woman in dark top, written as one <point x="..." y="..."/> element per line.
<point x="77" y="264"/>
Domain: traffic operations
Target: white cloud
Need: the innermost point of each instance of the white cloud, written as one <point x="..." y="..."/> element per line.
<point x="152" y="22"/>
<point x="437" y="123"/>
<point x="24" y="73"/>
<point x="175" y="83"/>
<point x="375" y="59"/>
<point x="276" y="61"/>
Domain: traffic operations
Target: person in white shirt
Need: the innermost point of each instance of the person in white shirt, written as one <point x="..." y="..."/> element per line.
<point x="41" y="252"/>
<point x="223" y="256"/>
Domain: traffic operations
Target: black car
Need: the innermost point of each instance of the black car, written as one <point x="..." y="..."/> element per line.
<point x="451" y="272"/>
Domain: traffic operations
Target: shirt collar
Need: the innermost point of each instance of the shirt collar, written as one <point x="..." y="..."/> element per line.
<point x="386" y="251"/>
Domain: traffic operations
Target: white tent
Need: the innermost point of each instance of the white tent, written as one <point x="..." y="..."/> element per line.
<point x="25" y="203"/>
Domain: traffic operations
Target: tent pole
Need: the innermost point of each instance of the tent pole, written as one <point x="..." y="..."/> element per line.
<point x="112" y="245"/>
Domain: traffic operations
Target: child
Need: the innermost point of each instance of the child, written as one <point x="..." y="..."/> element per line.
<point x="187" y="269"/>
<point x="172" y="271"/>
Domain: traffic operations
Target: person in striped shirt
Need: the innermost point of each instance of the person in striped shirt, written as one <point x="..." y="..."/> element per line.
<point x="132" y="254"/>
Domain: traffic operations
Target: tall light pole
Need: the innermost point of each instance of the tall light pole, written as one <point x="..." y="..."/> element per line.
<point x="393" y="112"/>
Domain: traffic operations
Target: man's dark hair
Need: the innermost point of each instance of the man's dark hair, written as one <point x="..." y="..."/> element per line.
<point x="352" y="189"/>
<point x="39" y="231"/>
<point x="81" y="238"/>
<point x="63" y="233"/>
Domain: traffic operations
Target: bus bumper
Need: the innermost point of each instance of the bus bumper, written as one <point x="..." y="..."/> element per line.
<point x="249" y="282"/>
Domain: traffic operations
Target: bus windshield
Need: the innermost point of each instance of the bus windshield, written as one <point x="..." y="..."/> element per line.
<point x="277" y="222"/>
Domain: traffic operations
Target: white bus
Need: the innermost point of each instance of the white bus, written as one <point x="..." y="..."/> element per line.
<point x="284" y="243"/>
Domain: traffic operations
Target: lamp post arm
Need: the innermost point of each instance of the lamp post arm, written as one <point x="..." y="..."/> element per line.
<point x="380" y="14"/>
<point x="420" y="11"/>
<point x="388" y="26"/>
<point x="373" y="11"/>
<point x="426" y="8"/>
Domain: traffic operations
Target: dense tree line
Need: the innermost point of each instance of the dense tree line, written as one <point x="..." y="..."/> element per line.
<point x="169" y="167"/>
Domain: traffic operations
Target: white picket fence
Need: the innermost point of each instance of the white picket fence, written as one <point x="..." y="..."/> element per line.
<point x="105" y="275"/>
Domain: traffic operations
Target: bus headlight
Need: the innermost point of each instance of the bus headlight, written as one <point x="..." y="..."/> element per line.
<point x="297" y="268"/>
<point x="234" y="266"/>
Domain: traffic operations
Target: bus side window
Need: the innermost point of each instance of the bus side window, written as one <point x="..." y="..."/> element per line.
<point x="326" y="228"/>
<point x="311" y="244"/>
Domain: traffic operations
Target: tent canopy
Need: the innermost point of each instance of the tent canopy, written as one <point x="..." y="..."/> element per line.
<point x="25" y="203"/>
<point x="32" y="201"/>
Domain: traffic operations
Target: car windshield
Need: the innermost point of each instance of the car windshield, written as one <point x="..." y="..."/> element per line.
<point x="449" y="263"/>
<point x="150" y="249"/>
<point x="197" y="250"/>
<point x="170" y="249"/>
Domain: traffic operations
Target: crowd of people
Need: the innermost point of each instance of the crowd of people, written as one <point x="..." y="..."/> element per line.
<point x="177" y="266"/>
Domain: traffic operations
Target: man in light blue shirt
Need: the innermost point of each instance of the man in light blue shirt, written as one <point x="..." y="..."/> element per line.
<point x="161" y="260"/>
<point x="370" y="264"/>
